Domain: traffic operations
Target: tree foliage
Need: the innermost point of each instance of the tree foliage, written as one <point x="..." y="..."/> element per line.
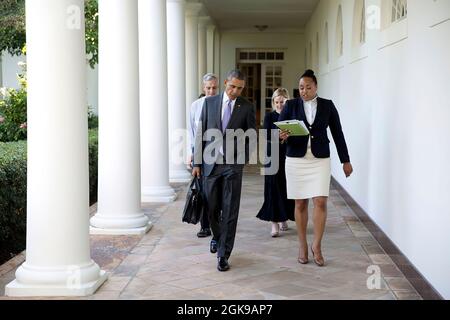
<point x="12" y="26"/>
<point x="13" y="34"/>
<point x="91" y="18"/>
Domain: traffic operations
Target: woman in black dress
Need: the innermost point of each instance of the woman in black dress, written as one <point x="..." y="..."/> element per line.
<point x="276" y="208"/>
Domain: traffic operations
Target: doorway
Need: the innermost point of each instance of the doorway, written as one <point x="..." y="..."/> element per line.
<point x="265" y="71"/>
<point x="252" y="91"/>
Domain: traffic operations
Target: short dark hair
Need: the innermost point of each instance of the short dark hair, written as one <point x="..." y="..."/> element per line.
<point x="236" y="74"/>
<point x="309" y="74"/>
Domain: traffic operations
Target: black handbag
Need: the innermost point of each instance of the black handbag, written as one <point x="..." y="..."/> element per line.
<point x="195" y="204"/>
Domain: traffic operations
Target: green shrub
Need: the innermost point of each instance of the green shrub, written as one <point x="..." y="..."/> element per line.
<point x="13" y="115"/>
<point x="13" y="190"/>
<point x="92" y="120"/>
<point x="93" y="165"/>
<point x="13" y="109"/>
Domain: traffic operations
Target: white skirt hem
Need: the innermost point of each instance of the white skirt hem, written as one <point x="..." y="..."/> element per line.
<point x="308" y="177"/>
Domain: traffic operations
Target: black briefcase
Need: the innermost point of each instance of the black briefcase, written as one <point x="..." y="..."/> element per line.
<point x="195" y="204"/>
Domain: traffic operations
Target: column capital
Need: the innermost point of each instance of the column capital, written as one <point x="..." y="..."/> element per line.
<point x="204" y="21"/>
<point x="211" y="27"/>
<point x="193" y="9"/>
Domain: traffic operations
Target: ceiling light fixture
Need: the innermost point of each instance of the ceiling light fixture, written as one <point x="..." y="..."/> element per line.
<point x="261" y="27"/>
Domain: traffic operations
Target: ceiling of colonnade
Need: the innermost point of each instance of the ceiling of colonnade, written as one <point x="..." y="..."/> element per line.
<point x="246" y="14"/>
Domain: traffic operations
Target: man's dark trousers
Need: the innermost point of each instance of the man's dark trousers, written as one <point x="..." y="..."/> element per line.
<point x="223" y="194"/>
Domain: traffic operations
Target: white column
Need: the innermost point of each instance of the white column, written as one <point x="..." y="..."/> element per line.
<point x="217" y="48"/>
<point x="153" y="102"/>
<point x="58" y="261"/>
<point x="177" y="85"/>
<point x="192" y="75"/>
<point x="119" y="172"/>
<point x="210" y="39"/>
<point x="202" y="50"/>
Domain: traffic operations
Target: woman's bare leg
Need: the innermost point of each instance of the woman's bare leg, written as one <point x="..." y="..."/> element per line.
<point x="301" y="220"/>
<point x="319" y="219"/>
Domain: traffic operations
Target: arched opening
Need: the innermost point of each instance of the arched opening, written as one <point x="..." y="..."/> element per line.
<point x="359" y="23"/>
<point x="327" y="49"/>
<point x="339" y="34"/>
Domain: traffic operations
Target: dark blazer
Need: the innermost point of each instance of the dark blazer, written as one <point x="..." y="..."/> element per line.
<point x="269" y="124"/>
<point x="327" y="116"/>
<point x="243" y="117"/>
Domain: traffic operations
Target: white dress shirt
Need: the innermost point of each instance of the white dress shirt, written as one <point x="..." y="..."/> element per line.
<point x="225" y="102"/>
<point x="310" y="112"/>
<point x="194" y="119"/>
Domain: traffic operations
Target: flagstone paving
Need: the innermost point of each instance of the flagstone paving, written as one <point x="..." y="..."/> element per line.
<point x="170" y="262"/>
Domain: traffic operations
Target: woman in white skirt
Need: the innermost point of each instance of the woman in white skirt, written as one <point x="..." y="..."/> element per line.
<point x="308" y="171"/>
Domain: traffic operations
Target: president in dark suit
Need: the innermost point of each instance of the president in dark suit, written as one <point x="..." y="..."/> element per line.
<point x="220" y="160"/>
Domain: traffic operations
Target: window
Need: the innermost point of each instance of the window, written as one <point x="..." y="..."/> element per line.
<point x="274" y="80"/>
<point x="399" y="10"/>
<point x="394" y="26"/>
<point x="261" y="55"/>
<point x="339" y="34"/>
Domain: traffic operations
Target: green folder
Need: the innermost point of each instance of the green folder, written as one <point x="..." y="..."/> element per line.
<point x="296" y="128"/>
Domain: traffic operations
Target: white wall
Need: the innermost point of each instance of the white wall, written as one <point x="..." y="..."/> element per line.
<point x="292" y="41"/>
<point x="92" y="87"/>
<point x="394" y="105"/>
<point x="10" y="69"/>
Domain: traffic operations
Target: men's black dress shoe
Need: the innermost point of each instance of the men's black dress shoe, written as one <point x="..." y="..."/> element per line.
<point x="222" y="264"/>
<point x="213" y="246"/>
<point x="203" y="233"/>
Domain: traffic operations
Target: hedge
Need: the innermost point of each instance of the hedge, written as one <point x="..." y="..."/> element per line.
<point x="13" y="190"/>
<point x="13" y="181"/>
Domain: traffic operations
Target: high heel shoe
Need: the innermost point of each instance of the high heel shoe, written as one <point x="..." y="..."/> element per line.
<point x="303" y="260"/>
<point x="319" y="261"/>
<point x="284" y="226"/>
<point x="275" y="230"/>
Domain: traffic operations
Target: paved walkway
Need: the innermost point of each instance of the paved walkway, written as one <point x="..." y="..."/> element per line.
<point x="170" y="262"/>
